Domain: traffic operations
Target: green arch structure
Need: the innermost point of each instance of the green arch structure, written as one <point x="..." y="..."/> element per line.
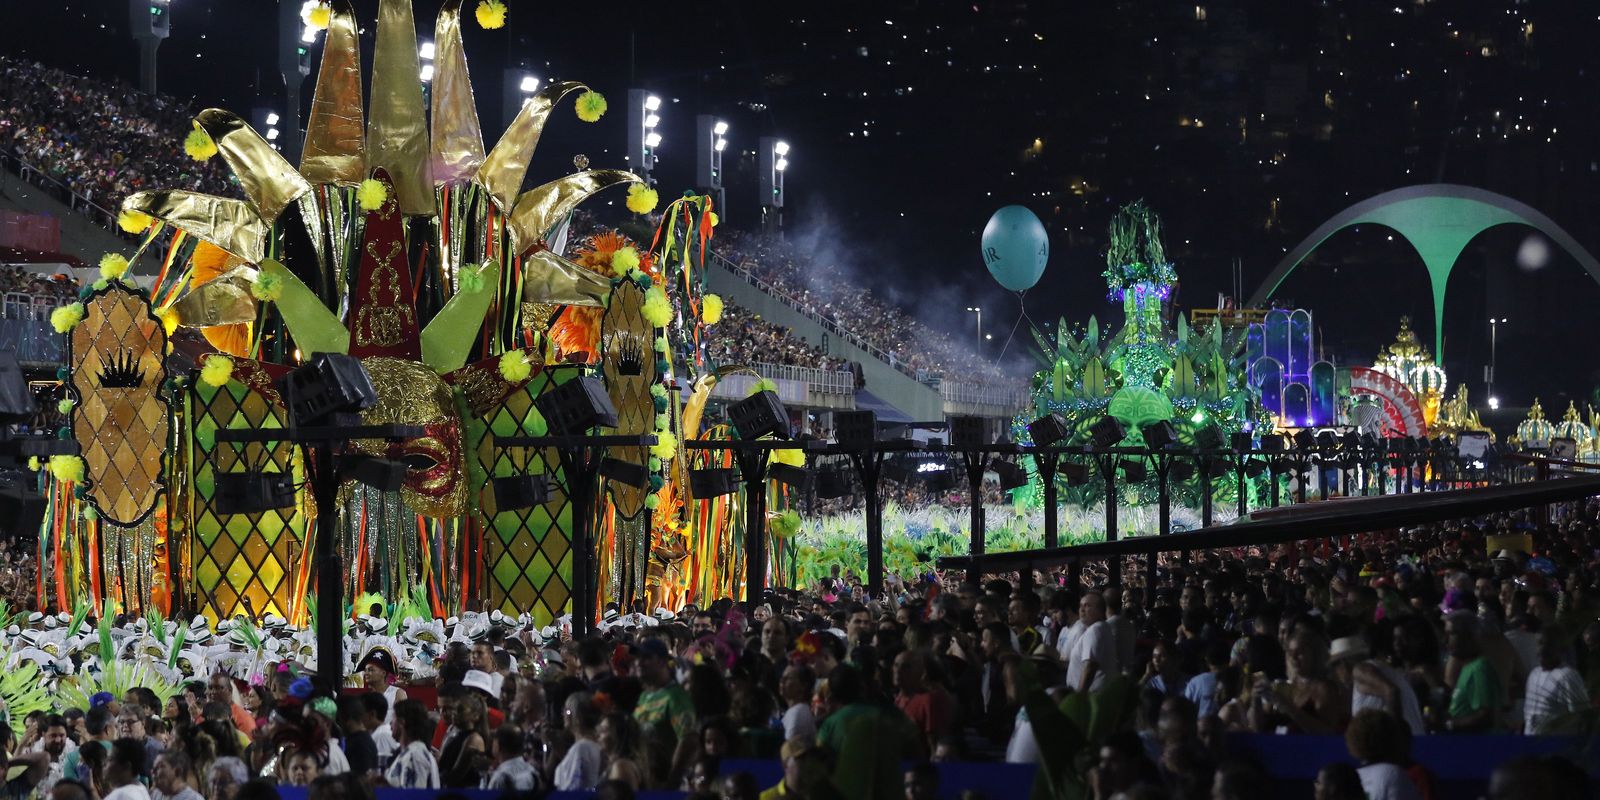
<point x="1438" y="220"/>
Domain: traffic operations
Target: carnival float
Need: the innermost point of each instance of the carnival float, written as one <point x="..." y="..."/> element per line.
<point x="402" y="241"/>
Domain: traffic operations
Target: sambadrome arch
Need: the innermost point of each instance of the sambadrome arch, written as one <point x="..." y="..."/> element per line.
<point x="1438" y="220"/>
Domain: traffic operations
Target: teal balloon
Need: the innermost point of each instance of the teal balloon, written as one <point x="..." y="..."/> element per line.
<point x="1015" y="248"/>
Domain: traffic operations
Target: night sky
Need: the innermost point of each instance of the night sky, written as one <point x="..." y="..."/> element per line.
<point x="1246" y="124"/>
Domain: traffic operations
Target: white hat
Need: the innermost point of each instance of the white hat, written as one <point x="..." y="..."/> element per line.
<point x="480" y="680"/>
<point x="1348" y="647"/>
<point x="663" y="614"/>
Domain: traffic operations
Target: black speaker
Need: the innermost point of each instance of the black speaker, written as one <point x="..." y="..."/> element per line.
<point x="1240" y="440"/>
<point x="797" y="477"/>
<point x="1047" y="430"/>
<point x="855" y="427"/>
<point x="967" y="431"/>
<point x="1073" y="473"/>
<point x="328" y="384"/>
<point x="1209" y="438"/>
<point x="574" y="407"/>
<point x="1157" y="435"/>
<point x="520" y="491"/>
<point x="21" y="509"/>
<point x="625" y="472"/>
<point x="832" y="482"/>
<point x="253" y="492"/>
<point x="1107" y="432"/>
<point x="705" y="484"/>
<point x="16" y="402"/>
<point x="758" y="415"/>
<point x="1133" y="471"/>
<point x="1011" y="475"/>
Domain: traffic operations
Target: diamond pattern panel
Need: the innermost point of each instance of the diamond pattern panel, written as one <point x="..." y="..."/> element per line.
<point x="521" y="546"/>
<point x="242" y="561"/>
<point x="121" y="428"/>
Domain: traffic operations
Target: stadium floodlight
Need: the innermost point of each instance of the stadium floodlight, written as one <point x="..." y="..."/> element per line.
<point x="781" y="148"/>
<point x="721" y="145"/>
<point x="529" y="84"/>
<point x="652" y="103"/>
<point x="426" y="51"/>
<point x="272" y="117"/>
<point x="272" y="133"/>
<point x="652" y="139"/>
<point x="309" y="35"/>
<point x="721" y="128"/>
<point x="783" y="164"/>
<point x="427" y="73"/>
<point x="652" y="120"/>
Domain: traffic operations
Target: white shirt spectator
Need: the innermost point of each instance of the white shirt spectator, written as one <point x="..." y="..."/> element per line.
<point x="1551" y="693"/>
<point x="1410" y="710"/>
<point x="1527" y="647"/>
<point x="1098" y="644"/>
<point x="799" y="721"/>
<point x="414" y="768"/>
<point x="513" y="775"/>
<point x="1066" y="638"/>
<point x="580" y="770"/>
<point x="387" y="746"/>
<point x="1387" y="782"/>
<point x="133" y="791"/>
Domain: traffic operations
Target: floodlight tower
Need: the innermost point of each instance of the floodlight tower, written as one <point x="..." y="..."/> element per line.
<point x="295" y="38"/>
<point x="644" y="133"/>
<point x="149" y="21"/>
<point x="519" y="86"/>
<point x="710" y="140"/>
<point x="774" y="161"/>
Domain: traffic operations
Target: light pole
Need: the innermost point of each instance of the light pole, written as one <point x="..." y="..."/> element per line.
<point x="1494" y="330"/>
<point x="710" y="140"/>
<point x="644" y="136"/>
<point x="979" y="312"/>
<point x="774" y="161"/>
<point x="149" y="21"/>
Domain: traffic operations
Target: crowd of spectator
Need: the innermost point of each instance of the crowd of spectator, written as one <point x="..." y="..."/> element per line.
<point x="102" y="140"/>
<point x="1421" y="631"/>
<point x="743" y="337"/>
<point x="16" y="279"/>
<point x="826" y="287"/>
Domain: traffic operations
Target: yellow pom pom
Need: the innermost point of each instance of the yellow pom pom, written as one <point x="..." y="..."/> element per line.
<point x="33" y="463"/>
<point x="169" y="319"/>
<point x="321" y="14"/>
<point x="134" y="221"/>
<point x="514" y="366"/>
<point x="113" y="266"/>
<point x="371" y="194"/>
<point x="715" y="220"/>
<point x="215" y="370"/>
<point x="624" y="261"/>
<point x="666" y="446"/>
<point x="198" y="144"/>
<point x="591" y="106"/>
<point x="267" y="287"/>
<point x="656" y="310"/>
<point x="66" y="317"/>
<point x="67" y="469"/>
<point x="642" y="199"/>
<point x="64" y="405"/>
<point x="491" y="14"/>
<point x="711" y="309"/>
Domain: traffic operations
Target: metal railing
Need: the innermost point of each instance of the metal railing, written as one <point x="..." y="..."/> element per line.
<point x="982" y="395"/>
<point x="25" y="328"/>
<point x="821" y="381"/>
<point x="60" y="191"/>
<point x="808" y="311"/>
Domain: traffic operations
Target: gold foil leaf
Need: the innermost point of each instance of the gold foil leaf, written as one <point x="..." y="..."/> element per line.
<point x="457" y="137"/>
<point x="540" y="208"/>
<point x="270" y="182"/>
<point x="503" y="172"/>
<point x="335" y="138"/>
<point x="397" y="132"/>
<point x="549" y="278"/>
<point x="229" y="224"/>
